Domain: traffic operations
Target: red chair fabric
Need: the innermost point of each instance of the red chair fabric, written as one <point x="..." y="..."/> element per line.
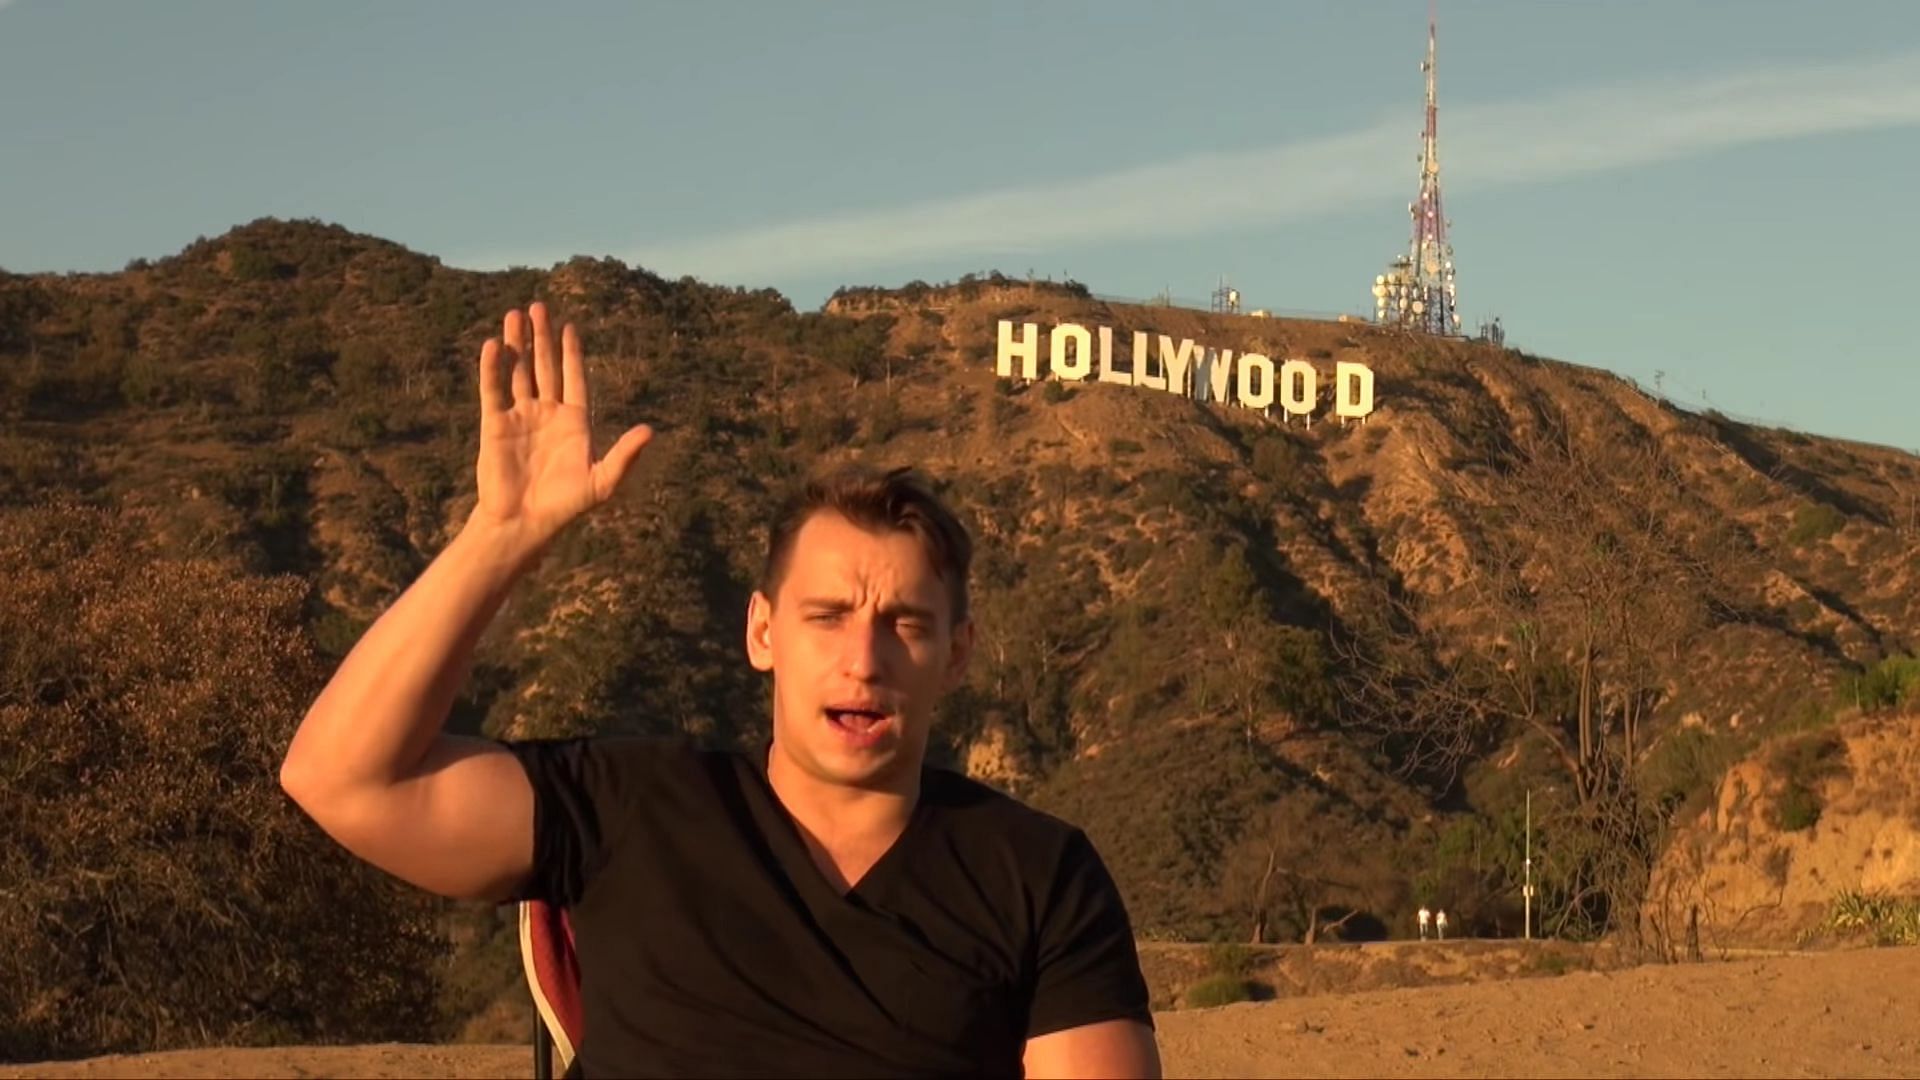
<point x="553" y="975"/>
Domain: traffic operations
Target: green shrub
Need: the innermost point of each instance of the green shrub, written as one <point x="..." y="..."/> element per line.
<point x="1808" y="759"/>
<point x="1682" y="770"/>
<point x="1889" y="920"/>
<point x="1799" y="808"/>
<point x="1892" y="682"/>
<point x="250" y="263"/>
<point x="1124" y="446"/>
<point x="1278" y="460"/>
<point x="1231" y="958"/>
<point x="1056" y="392"/>
<point x="1813" y="523"/>
<point x="1218" y="990"/>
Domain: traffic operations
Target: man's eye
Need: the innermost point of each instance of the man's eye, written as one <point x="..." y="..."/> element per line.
<point x="913" y="629"/>
<point x="823" y="617"/>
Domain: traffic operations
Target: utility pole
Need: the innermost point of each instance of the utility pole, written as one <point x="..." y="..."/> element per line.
<point x="1526" y="891"/>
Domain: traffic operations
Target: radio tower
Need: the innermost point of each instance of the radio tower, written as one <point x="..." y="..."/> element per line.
<point x="1226" y="298"/>
<point x="1417" y="291"/>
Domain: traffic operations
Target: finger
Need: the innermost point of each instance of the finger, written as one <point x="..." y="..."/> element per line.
<point x="612" y="469"/>
<point x="513" y="340"/>
<point x="494" y="391"/>
<point x="546" y="361"/>
<point x="573" y="374"/>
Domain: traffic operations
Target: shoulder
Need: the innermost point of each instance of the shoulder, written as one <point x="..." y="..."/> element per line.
<point x="615" y="767"/>
<point x="984" y="815"/>
<point x="599" y="751"/>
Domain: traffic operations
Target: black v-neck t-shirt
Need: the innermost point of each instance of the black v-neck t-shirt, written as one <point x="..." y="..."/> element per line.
<point x="710" y="945"/>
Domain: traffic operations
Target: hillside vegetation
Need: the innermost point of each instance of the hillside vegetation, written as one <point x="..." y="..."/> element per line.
<point x="1294" y="680"/>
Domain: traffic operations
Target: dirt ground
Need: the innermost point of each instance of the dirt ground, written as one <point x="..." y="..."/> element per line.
<point x="1849" y="1013"/>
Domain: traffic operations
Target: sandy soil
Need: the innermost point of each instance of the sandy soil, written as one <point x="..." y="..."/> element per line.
<point x="1827" y="1014"/>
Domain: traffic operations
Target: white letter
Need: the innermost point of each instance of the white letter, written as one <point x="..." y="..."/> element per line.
<point x="1081" y="365"/>
<point x="1171" y="360"/>
<point x="1249" y="364"/>
<point x="1143" y="362"/>
<point x="1299" y="388"/>
<point x="1212" y="374"/>
<point x="1180" y="367"/>
<point x="1107" y="373"/>
<point x="1220" y="376"/>
<point x="1027" y="349"/>
<point x="1356" y="389"/>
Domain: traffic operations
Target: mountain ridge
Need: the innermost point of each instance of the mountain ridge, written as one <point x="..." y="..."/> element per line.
<point x="1284" y="675"/>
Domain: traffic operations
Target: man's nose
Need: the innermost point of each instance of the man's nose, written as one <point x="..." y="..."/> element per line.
<point x="863" y="649"/>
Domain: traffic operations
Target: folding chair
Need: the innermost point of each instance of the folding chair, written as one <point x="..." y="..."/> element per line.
<point x="553" y="975"/>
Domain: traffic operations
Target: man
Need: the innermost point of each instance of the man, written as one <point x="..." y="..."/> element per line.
<point x="827" y="906"/>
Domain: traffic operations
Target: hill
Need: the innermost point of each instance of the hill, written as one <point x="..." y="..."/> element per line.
<point x="1293" y="680"/>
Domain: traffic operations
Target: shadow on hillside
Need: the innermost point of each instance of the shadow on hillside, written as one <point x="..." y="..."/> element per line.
<point x="1762" y="458"/>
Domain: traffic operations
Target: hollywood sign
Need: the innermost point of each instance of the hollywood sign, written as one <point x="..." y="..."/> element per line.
<point x="1076" y="353"/>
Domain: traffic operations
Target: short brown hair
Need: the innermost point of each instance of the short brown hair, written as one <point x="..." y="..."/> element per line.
<point x="897" y="499"/>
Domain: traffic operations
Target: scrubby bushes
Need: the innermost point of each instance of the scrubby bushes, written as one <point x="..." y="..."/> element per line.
<point x="160" y="891"/>
<point x="1815" y="523"/>
<point x="1804" y="762"/>
<point x="1887" y="920"/>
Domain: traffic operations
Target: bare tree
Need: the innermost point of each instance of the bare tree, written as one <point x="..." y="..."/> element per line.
<point x="1596" y="573"/>
<point x="1266" y="880"/>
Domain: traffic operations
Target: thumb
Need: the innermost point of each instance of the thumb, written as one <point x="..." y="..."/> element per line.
<point x="613" y="468"/>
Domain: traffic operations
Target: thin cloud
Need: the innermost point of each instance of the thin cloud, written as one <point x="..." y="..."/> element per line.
<point x="1483" y="146"/>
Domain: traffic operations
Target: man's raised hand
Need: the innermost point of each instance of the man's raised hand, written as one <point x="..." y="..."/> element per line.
<point x="536" y="471"/>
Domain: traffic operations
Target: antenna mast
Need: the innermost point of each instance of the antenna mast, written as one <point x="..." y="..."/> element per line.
<point x="1417" y="291"/>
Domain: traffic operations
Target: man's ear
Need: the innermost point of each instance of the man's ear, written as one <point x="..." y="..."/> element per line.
<point x="960" y="651"/>
<point x="760" y="631"/>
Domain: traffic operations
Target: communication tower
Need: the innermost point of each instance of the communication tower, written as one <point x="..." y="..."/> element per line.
<point x="1417" y="291"/>
<point x="1226" y="299"/>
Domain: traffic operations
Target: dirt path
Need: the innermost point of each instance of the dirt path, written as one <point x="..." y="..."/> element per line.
<point x="1829" y="1014"/>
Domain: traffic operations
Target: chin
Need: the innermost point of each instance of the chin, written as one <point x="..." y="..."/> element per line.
<point x="874" y="763"/>
<point x="862" y="768"/>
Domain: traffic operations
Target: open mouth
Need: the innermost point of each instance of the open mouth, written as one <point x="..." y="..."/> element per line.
<point x="860" y="726"/>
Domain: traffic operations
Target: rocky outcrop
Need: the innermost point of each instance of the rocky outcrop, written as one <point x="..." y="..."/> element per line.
<point x="1747" y="877"/>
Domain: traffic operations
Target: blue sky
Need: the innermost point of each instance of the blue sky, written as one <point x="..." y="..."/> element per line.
<point x="1716" y="195"/>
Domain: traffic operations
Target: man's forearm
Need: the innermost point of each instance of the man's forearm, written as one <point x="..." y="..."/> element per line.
<point x="383" y="709"/>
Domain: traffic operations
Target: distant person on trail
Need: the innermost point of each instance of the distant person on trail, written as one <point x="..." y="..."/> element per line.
<point x="1440" y="924"/>
<point x="1425" y="917"/>
<point x="825" y="905"/>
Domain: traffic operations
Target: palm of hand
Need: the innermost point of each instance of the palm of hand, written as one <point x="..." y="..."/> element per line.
<point x="536" y="464"/>
<point x="536" y="470"/>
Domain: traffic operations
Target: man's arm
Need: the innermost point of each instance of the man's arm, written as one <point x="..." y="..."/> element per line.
<point x="370" y="762"/>
<point x="1090" y="1011"/>
<point x="1114" y="1048"/>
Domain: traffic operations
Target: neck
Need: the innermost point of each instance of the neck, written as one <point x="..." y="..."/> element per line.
<point x="846" y="828"/>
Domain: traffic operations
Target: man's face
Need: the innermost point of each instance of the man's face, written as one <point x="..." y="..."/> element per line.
<point x="861" y="645"/>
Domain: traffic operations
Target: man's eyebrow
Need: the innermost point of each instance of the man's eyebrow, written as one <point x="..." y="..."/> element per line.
<point x="825" y="603"/>
<point x="890" y="611"/>
<point x="907" y="611"/>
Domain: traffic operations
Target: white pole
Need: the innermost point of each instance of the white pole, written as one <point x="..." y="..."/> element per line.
<point x="1526" y="892"/>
